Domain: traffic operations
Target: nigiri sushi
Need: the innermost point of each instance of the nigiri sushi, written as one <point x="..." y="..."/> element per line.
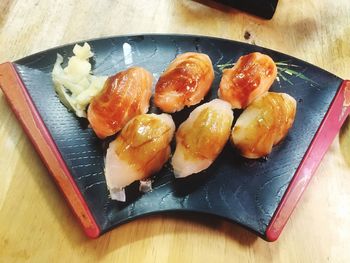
<point x="140" y="150"/>
<point x="251" y="76"/>
<point x="185" y="82"/>
<point x="263" y="124"/>
<point x="123" y="96"/>
<point x="201" y="138"/>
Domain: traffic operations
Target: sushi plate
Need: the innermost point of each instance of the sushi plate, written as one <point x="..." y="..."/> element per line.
<point x="257" y="194"/>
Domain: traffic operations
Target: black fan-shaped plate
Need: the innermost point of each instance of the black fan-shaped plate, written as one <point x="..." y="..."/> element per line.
<point x="245" y="191"/>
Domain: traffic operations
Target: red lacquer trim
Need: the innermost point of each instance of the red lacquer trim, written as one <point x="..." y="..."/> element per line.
<point x="329" y="128"/>
<point x="347" y="94"/>
<point x="35" y="128"/>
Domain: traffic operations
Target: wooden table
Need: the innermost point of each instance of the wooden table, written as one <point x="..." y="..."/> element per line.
<point x="36" y="224"/>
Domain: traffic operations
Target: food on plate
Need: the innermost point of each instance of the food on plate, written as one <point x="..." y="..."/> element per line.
<point x="74" y="84"/>
<point x="263" y="124"/>
<point x="185" y="82"/>
<point x="251" y="76"/>
<point x="124" y="96"/>
<point x="120" y="103"/>
<point x="201" y="138"/>
<point x="140" y="150"/>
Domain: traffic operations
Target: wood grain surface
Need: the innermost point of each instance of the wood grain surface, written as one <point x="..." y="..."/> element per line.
<point x="36" y="224"/>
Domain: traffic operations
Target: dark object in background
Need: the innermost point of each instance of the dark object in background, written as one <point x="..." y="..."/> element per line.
<point x="262" y="8"/>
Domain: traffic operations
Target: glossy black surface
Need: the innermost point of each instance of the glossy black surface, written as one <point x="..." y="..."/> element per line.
<point x="262" y="8"/>
<point x="244" y="191"/>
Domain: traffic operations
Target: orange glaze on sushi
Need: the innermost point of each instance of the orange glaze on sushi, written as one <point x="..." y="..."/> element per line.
<point x="201" y="138"/>
<point x="185" y="82"/>
<point x="252" y="75"/>
<point x="124" y="96"/>
<point x="140" y="150"/>
<point x="144" y="143"/>
<point x="263" y="124"/>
